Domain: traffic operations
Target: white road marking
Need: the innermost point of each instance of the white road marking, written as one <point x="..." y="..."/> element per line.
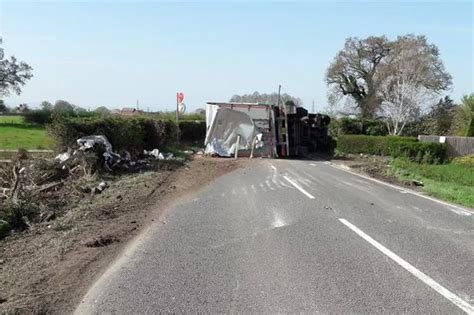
<point x="278" y="221"/>
<point x="282" y="183"/>
<point x="275" y="182"/>
<point x="269" y="185"/>
<point x="466" y="307"/>
<point x="263" y="187"/>
<point x="312" y="164"/>
<point x="299" y="187"/>
<point x="451" y="207"/>
<point x="253" y="188"/>
<point x="273" y="167"/>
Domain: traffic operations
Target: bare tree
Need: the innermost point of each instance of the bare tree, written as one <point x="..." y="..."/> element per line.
<point x="404" y="101"/>
<point x="13" y="74"/>
<point x="412" y="77"/>
<point x="363" y="66"/>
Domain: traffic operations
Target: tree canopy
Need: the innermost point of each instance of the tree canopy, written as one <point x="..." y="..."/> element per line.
<point x="264" y="98"/>
<point x="373" y="70"/>
<point x="13" y="74"/>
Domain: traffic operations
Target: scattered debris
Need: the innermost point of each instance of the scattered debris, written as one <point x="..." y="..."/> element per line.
<point x="100" y="188"/>
<point x="417" y="182"/>
<point x="40" y="190"/>
<point x="63" y="157"/>
<point x="102" y="241"/>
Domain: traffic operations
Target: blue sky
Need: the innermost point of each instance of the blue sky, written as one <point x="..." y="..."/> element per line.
<point x="112" y="53"/>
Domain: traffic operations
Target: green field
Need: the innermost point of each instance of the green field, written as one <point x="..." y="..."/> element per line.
<point x="14" y="134"/>
<point x="449" y="182"/>
<point x="11" y="120"/>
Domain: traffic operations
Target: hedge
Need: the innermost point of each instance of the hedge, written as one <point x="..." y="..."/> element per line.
<point x="395" y="146"/>
<point x="358" y="126"/>
<point x="39" y="116"/>
<point x="192" y="131"/>
<point x="124" y="133"/>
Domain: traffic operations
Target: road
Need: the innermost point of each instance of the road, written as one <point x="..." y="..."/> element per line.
<point x="296" y="236"/>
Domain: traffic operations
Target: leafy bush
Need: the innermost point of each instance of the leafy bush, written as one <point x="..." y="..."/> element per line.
<point x="4" y="229"/>
<point x="426" y="153"/>
<point x="467" y="160"/>
<point x="40" y="117"/>
<point x="394" y="146"/>
<point x="124" y="133"/>
<point x="192" y="131"/>
<point x="377" y="145"/>
<point x="16" y="215"/>
<point x="358" y="126"/>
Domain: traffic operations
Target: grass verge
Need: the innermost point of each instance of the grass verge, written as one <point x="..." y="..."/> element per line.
<point x="450" y="182"/>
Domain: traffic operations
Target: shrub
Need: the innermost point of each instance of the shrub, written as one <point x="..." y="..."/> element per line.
<point x="427" y="153"/>
<point x="394" y="146"/>
<point x="192" y="131"/>
<point x="358" y="126"/>
<point x="40" y="117"/>
<point x="467" y="160"/>
<point x="18" y="214"/>
<point x="124" y="133"/>
<point x="4" y="229"/>
<point x="377" y="145"/>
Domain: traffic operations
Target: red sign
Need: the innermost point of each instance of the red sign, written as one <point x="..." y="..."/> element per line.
<point x="180" y="97"/>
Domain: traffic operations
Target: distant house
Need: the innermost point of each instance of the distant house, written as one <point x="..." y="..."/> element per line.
<point x="22" y="108"/>
<point x="129" y="111"/>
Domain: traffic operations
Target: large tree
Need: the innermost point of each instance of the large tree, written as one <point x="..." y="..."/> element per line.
<point x="353" y="71"/>
<point x="411" y="77"/>
<point x="13" y="74"/>
<point x="264" y="98"/>
<point x="63" y="107"/>
<point x="364" y="65"/>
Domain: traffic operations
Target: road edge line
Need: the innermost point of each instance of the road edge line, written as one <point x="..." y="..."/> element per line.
<point x="453" y="298"/>
<point x="403" y="189"/>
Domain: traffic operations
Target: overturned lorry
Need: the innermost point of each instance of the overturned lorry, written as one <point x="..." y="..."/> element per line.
<point x="254" y="129"/>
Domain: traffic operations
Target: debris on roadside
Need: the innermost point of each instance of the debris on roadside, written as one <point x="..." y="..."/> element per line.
<point x="417" y="182"/>
<point x="40" y="190"/>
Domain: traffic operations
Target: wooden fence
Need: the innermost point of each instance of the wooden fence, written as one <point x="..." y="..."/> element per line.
<point x="456" y="146"/>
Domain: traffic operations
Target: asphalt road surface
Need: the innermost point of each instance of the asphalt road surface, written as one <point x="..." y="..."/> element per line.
<point x="296" y="236"/>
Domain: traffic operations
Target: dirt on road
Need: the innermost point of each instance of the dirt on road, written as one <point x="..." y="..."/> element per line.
<point x="48" y="268"/>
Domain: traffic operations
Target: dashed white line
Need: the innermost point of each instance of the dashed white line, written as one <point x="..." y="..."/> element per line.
<point x="299" y="187"/>
<point x="456" y="300"/>
<point x="269" y="185"/>
<point x="273" y="167"/>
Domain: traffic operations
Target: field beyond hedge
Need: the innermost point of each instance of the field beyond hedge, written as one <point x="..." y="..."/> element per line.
<point x="15" y="136"/>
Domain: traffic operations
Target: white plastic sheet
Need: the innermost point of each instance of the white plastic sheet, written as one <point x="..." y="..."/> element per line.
<point x="224" y="126"/>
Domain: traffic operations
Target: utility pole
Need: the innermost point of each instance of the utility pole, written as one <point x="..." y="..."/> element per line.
<point x="138" y="106"/>
<point x="312" y="108"/>
<point x="177" y="117"/>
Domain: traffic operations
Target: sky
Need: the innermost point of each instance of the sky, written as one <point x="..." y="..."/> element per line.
<point x="113" y="53"/>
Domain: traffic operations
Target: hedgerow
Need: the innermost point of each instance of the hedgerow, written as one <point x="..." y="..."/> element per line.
<point x="394" y="146"/>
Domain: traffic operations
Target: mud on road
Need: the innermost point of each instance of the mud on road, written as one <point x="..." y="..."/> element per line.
<point x="50" y="267"/>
